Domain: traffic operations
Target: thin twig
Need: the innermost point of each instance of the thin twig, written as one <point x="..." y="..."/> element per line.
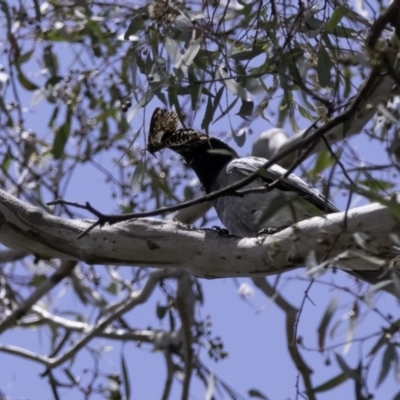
<point x="170" y="375"/>
<point x="64" y="270"/>
<point x="291" y="315"/>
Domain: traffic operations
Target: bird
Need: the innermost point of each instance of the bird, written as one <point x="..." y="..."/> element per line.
<point x="217" y="166"/>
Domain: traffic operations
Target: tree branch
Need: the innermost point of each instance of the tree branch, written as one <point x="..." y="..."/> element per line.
<point x="134" y="299"/>
<point x="204" y="253"/>
<point x="10" y="319"/>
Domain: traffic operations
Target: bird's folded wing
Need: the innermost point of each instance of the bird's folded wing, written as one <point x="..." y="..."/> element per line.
<point x="291" y="183"/>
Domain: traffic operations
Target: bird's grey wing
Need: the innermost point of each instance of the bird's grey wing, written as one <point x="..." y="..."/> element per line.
<point x="291" y="183"/>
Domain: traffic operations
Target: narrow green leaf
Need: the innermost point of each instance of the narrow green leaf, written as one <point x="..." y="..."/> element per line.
<point x="195" y="95"/>
<point x="227" y="110"/>
<point x="336" y="17"/>
<point x="323" y="326"/>
<point x="25" y="82"/>
<point x="50" y="60"/>
<point x="137" y="177"/>
<point x="37" y="280"/>
<point x="161" y="311"/>
<point x="53" y="117"/>
<point x="239" y="54"/>
<point x="200" y="296"/>
<point x="246" y="110"/>
<point x="37" y="10"/>
<point x="210" y="387"/>
<point x="376" y="184"/>
<point x="388" y="358"/>
<point x="3" y="107"/>
<point x="324" y="160"/>
<point x="257" y="394"/>
<point x="23" y="58"/>
<point x="331" y="383"/>
<point x="6" y="11"/>
<point x="353" y="321"/>
<point x="143" y="101"/>
<point x="358" y="383"/>
<point x="6" y="161"/>
<point x="171" y="320"/>
<point x="384" y="339"/>
<point x="135" y="26"/>
<point x="233" y="86"/>
<point x="324" y="67"/>
<point x="172" y="49"/>
<point x="62" y="135"/>
<point x="345" y="368"/>
<point x="125" y="374"/>
<point x="239" y="136"/>
<point x="185" y="61"/>
<point x="112" y="288"/>
<point x="208" y="116"/>
<point x="217" y="99"/>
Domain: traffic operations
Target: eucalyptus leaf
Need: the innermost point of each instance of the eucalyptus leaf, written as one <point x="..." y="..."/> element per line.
<point x="6" y="12"/>
<point x="186" y="59"/>
<point x="161" y="311"/>
<point x="246" y="110"/>
<point x="257" y="394"/>
<point x="351" y="373"/>
<point x="143" y="101"/>
<point x="327" y="317"/>
<point x="136" y="25"/>
<point x="208" y="116"/>
<point x="240" y="136"/>
<point x="389" y="358"/>
<point x="62" y="135"/>
<point x="336" y="17"/>
<point x="353" y="321"/>
<point x="324" y="67"/>
<point x="233" y="86"/>
<point x="25" y="82"/>
<point x="137" y="177"/>
<point x="331" y="383"/>
<point x="172" y="49"/>
<point x="209" y="395"/>
<point x="125" y="374"/>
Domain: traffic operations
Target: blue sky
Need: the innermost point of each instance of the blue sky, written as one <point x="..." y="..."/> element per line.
<point x="253" y="331"/>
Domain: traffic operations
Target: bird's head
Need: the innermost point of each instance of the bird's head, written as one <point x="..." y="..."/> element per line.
<point x="163" y="134"/>
<point x="206" y="155"/>
<point x="163" y="124"/>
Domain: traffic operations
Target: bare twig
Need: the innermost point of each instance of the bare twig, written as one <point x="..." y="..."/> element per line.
<point x="185" y="303"/>
<point x="291" y="315"/>
<point x="131" y="301"/>
<point x="64" y="270"/>
<point x="391" y="15"/>
<point x="170" y="375"/>
<point x="9" y="255"/>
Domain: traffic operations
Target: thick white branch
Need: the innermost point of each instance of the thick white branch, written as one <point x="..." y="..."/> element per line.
<point x="203" y="253"/>
<point x="272" y="141"/>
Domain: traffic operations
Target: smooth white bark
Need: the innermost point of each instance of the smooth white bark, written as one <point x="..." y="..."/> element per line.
<point x="204" y="253"/>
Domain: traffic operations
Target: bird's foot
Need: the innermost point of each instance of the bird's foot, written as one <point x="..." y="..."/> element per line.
<point x="267" y="231"/>
<point x="271" y="231"/>
<point x="219" y="230"/>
